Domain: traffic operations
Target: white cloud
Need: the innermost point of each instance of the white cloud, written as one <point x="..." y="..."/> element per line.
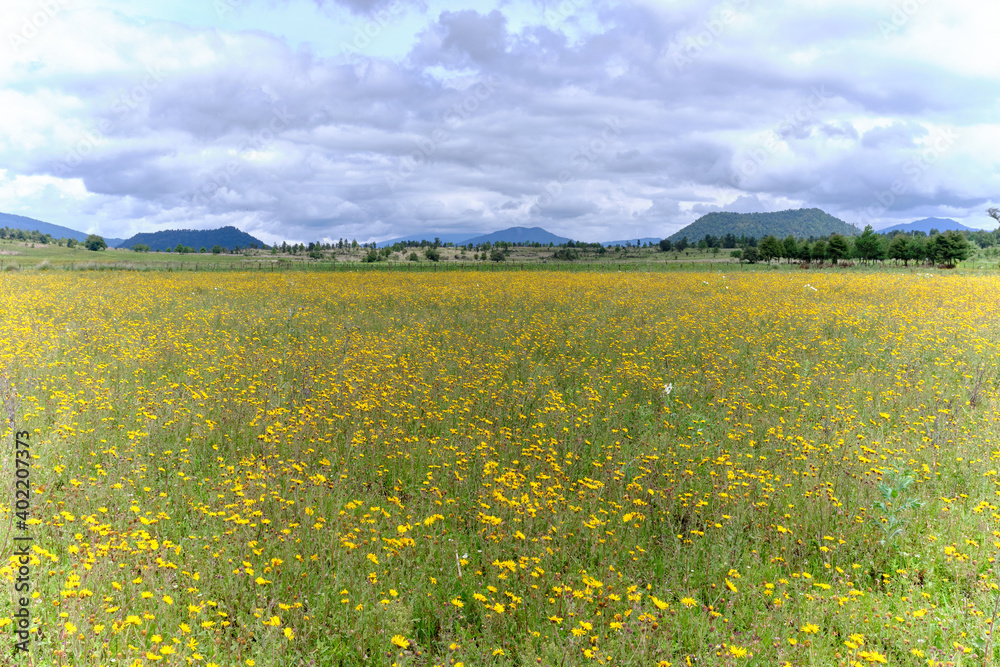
<point x="127" y="120"/>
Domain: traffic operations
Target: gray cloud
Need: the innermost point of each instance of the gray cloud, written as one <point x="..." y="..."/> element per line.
<point x="499" y="116"/>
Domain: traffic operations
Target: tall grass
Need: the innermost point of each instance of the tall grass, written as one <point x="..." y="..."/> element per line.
<point x="489" y="469"/>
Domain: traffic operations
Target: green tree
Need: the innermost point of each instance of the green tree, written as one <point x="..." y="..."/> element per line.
<point x="750" y="255"/>
<point x="140" y="247"/>
<point x="836" y="247"/>
<point x="666" y="245"/>
<point x="950" y="247"/>
<point x="770" y="248"/>
<point x="95" y="243"/>
<point x="868" y="246"/>
<point x="819" y="250"/>
<point x="899" y="249"/>
<point x="217" y="249"/>
<point x="917" y="246"/>
<point x="791" y="248"/>
<point x="432" y="254"/>
<point x="498" y="255"/>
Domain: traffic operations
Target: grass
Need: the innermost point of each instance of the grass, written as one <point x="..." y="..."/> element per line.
<point x="476" y="468"/>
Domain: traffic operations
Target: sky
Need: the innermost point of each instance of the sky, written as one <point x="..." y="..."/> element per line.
<point x="315" y="120"/>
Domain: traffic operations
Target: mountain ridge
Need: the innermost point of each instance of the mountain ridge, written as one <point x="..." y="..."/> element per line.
<point x="227" y="237"/>
<point x="800" y="223"/>
<point x="15" y="221"/>
<point x="925" y="225"/>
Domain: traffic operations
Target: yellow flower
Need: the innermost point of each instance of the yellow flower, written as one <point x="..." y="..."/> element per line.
<point x="660" y="604"/>
<point x="872" y="656"/>
<point x="810" y="628"/>
<point x="168" y="599"/>
<point x="688" y="602"/>
<point x="289" y="633"/>
<point x="70" y="628"/>
<point x="738" y="651"/>
<point x="401" y="642"/>
<point x="458" y="603"/>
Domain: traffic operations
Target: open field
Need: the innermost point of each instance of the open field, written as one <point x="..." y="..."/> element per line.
<point x="20" y="255"/>
<point x="519" y="468"/>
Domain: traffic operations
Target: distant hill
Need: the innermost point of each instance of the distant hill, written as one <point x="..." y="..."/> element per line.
<point x="519" y="235"/>
<point x="227" y="237"/>
<point x="56" y="231"/>
<point x="927" y="224"/>
<point x="801" y="223"/>
<point x="634" y="242"/>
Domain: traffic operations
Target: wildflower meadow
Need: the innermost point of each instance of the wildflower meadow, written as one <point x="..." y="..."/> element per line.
<point x="470" y="468"/>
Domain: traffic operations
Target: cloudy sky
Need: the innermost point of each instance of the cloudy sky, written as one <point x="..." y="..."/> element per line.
<point x="306" y="120"/>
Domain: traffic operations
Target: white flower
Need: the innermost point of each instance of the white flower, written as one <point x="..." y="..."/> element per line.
<point x="667" y="388"/>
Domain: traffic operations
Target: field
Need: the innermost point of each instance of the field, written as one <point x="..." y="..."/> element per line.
<point x="470" y="468"/>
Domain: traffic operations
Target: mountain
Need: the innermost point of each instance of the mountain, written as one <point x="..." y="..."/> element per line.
<point x="227" y="237"/>
<point x="519" y="235"/>
<point x="927" y="224"/>
<point x="55" y="231"/>
<point x="633" y="242"/>
<point x="801" y="223"/>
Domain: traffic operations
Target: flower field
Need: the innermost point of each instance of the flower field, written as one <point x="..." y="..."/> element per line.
<point x="492" y="469"/>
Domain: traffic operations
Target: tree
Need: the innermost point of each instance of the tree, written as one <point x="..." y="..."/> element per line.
<point x="681" y="245"/>
<point x="791" y="248"/>
<point x="217" y="249"/>
<point x="836" y="247"/>
<point x="750" y="255"/>
<point x="770" y="248"/>
<point x="869" y="246"/>
<point x="498" y="255"/>
<point x="432" y="254"/>
<point x="819" y="250"/>
<point x="140" y="247"/>
<point x="917" y="248"/>
<point x="95" y="243"/>
<point x="666" y="245"/>
<point x="899" y="249"/>
<point x="950" y="247"/>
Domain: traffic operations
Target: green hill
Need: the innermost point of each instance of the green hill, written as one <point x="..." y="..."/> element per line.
<point x="800" y="223"/>
<point x="227" y="237"/>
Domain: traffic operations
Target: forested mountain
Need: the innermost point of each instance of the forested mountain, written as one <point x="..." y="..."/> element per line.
<point x="55" y="231"/>
<point x="800" y="223"/>
<point x="928" y="224"/>
<point x="226" y="237"/>
<point x="518" y="235"/>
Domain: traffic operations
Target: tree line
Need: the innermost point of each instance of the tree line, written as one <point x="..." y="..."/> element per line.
<point x="949" y="247"/>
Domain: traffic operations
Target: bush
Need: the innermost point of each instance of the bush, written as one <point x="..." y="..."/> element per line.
<point x="414" y="257"/>
<point x="140" y="247"/>
<point x="566" y="254"/>
<point x="95" y="243"/>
